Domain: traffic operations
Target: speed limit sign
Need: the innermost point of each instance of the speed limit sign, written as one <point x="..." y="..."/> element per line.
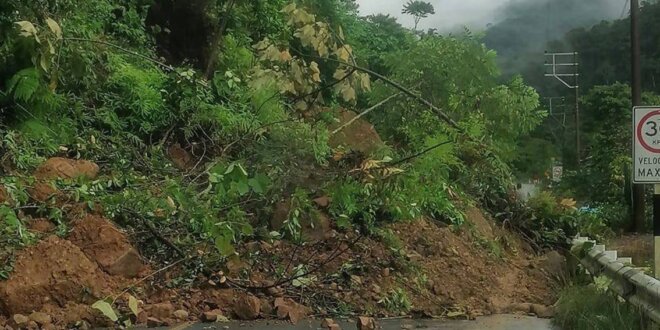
<point x="646" y="144"/>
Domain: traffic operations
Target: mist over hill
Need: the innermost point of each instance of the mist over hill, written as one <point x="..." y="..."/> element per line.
<point x="524" y="28"/>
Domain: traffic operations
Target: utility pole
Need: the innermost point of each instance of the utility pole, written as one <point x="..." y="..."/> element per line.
<point x="577" y="110"/>
<point x="558" y="62"/>
<point x="636" y="80"/>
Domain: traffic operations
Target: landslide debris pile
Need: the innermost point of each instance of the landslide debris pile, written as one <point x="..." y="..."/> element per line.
<point x="439" y="271"/>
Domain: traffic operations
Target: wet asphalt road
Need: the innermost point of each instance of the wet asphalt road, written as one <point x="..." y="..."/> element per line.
<point x="496" y="322"/>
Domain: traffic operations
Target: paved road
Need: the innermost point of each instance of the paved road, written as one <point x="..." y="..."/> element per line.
<point x="497" y="322"/>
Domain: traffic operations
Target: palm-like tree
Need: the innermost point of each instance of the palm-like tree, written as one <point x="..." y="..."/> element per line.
<point x="418" y="9"/>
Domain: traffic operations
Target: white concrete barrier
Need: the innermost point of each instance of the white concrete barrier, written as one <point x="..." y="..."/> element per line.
<point x="631" y="284"/>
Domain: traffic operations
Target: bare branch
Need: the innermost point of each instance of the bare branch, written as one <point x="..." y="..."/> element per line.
<point x="159" y="63"/>
<point x="363" y="113"/>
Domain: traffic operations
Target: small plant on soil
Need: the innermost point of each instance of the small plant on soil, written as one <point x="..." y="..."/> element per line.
<point x="397" y="302"/>
<point x="592" y="308"/>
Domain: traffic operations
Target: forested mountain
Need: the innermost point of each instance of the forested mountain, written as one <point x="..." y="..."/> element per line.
<point x="603" y="177"/>
<point x="524" y="28"/>
<point x="603" y="43"/>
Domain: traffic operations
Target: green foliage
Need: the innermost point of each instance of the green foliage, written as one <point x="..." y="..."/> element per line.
<point x="134" y="95"/>
<point x="460" y="78"/>
<point x="536" y="156"/>
<point x="397" y="302"/>
<point x="555" y="220"/>
<point x="376" y="36"/>
<point x="256" y="127"/>
<point x="588" y="307"/>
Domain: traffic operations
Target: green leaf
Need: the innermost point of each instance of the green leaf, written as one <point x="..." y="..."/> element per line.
<point x="230" y="168"/>
<point x="247" y="230"/>
<point x="10" y="217"/>
<point x="343" y="222"/>
<point x="259" y="183"/>
<point x="256" y="186"/>
<point x="242" y="187"/>
<point x="106" y="309"/>
<point x="24" y="84"/>
<point x="133" y="305"/>
<point x="224" y="245"/>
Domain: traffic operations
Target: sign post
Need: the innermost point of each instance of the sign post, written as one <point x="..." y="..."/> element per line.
<point x="646" y="165"/>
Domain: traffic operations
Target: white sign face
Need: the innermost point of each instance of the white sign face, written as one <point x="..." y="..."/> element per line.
<point x="557" y="173"/>
<point x="646" y="144"/>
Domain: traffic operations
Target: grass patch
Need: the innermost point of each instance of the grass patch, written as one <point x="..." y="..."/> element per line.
<point x="588" y="307"/>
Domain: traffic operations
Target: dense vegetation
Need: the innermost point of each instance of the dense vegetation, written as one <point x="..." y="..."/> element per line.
<point x="253" y="104"/>
<point x="592" y="306"/>
<point x="602" y="181"/>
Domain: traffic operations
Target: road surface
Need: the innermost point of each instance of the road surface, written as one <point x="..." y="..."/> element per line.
<point x="496" y="322"/>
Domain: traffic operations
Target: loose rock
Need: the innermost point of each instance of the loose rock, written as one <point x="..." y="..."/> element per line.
<point x="330" y="324"/>
<point x="20" y="319"/>
<point x="117" y="256"/>
<point x="211" y="316"/>
<point x="366" y="323"/>
<point x="289" y="309"/>
<point x="160" y="311"/>
<point x="544" y="312"/>
<point x="554" y="264"/>
<point x="64" y="168"/>
<point x="181" y="314"/>
<point x="247" y="307"/>
<point x="386" y="272"/>
<point x="322" y="201"/>
<point x="154" y="322"/>
<point x="52" y="270"/>
<point x="41" y="318"/>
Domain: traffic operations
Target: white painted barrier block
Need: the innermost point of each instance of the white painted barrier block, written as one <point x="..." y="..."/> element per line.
<point x="612" y="255"/>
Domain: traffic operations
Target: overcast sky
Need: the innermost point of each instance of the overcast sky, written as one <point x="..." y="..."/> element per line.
<point x="449" y="14"/>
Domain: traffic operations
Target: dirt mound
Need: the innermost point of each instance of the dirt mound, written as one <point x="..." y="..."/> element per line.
<point x="42" y="191"/>
<point x="179" y="157"/>
<point x="103" y="243"/>
<point x="64" y="168"/>
<point x="461" y="273"/>
<point x="481" y="224"/>
<point x="53" y="272"/>
<point x="41" y="226"/>
<point x="314" y="227"/>
<point x="476" y="270"/>
<point x="359" y="136"/>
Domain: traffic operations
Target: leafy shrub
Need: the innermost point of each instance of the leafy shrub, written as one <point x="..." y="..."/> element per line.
<point x="556" y="220"/>
<point x="135" y="95"/>
<point x="587" y="307"/>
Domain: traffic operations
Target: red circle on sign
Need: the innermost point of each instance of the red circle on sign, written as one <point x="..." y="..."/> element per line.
<point x="639" y="132"/>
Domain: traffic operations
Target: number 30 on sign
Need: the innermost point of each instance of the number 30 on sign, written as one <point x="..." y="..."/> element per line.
<point x="646" y="144"/>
